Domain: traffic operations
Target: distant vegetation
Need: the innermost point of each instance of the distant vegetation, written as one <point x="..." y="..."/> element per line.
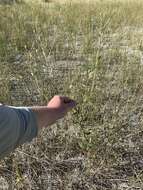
<point x="92" y="52"/>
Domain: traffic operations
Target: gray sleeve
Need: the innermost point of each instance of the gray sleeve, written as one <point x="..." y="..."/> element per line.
<point x="17" y="126"/>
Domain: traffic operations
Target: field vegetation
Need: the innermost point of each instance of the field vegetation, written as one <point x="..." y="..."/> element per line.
<point x="92" y="52"/>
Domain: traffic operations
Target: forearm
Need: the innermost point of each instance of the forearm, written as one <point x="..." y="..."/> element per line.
<point x="45" y="116"/>
<point x="56" y="109"/>
<point x="20" y="124"/>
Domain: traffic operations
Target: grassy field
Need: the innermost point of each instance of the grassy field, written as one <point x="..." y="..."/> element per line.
<point x="92" y="52"/>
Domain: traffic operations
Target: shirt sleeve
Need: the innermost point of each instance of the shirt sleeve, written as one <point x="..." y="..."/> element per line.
<point x="17" y="126"/>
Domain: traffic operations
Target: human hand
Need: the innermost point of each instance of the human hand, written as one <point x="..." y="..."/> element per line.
<point x="55" y="109"/>
<point x="58" y="107"/>
<point x="61" y="104"/>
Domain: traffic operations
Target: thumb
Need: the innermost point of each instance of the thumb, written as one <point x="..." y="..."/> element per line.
<point x="70" y="104"/>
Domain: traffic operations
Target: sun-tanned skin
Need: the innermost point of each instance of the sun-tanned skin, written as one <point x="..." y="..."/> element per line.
<point x="19" y="125"/>
<point x="56" y="109"/>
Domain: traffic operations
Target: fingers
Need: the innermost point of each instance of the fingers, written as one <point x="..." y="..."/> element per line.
<point x="69" y="103"/>
<point x="72" y="104"/>
<point x="63" y="101"/>
<point x="67" y="100"/>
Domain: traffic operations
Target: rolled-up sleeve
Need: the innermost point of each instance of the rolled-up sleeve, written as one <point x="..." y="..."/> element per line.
<point x="17" y="126"/>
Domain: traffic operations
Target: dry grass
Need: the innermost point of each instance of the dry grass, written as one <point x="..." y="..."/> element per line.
<point x="93" y="53"/>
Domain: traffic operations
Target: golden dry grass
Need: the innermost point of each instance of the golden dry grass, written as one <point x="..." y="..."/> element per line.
<point x="93" y="54"/>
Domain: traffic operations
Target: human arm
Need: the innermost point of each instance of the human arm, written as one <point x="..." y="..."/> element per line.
<point x="56" y="109"/>
<point x="21" y="124"/>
